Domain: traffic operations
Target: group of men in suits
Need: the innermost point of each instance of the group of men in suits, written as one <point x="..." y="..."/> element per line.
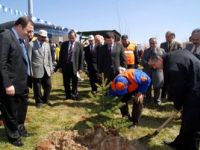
<point x="35" y="61"/>
<point x="182" y="81"/>
<point x="100" y="57"/>
<point x="103" y="58"/>
<point x="158" y="83"/>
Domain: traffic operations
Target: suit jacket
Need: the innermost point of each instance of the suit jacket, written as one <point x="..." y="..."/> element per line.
<point x="13" y="65"/>
<point x="174" y="46"/>
<point x="109" y="64"/>
<point x="182" y="73"/>
<point x="98" y="50"/>
<point x="77" y="57"/>
<point x="91" y="58"/>
<point x="40" y="58"/>
<point x="189" y="46"/>
<point x="156" y="74"/>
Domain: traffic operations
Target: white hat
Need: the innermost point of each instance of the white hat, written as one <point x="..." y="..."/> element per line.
<point x="90" y="37"/>
<point x="43" y="33"/>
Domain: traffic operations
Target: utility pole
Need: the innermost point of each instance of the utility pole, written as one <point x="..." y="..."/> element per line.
<point x="30" y="8"/>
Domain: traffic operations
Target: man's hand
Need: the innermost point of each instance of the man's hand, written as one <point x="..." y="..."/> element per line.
<point x="10" y="90"/>
<point x="139" y="97"/>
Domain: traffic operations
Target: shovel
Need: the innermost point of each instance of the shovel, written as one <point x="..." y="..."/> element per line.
<point x="149" y="136"/>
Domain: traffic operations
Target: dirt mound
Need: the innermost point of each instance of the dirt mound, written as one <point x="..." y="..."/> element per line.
<point x="91" y="139"/>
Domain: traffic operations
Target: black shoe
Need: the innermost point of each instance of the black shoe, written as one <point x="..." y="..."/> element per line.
<point x="74" y="97"/>
<point x="48" y="103"/>
<point x="68" y="97"/>
<point x="158" y="102"/>
<point x="128" y="117"/>
<point x="170" y="144"/>
<point x="38" y="105"/>
<point x="17" y="143"/>
<point x="133" y="126"/>
<point x="94" y="92"/>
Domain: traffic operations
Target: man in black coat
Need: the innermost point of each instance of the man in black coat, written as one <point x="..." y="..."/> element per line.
<point x="182" y="72"/>
<point x="169" y="46"/>
<point x="111" y="57"/>
<point x="71" y="62"/>
<point x="14" y="71"/>
<point x="91" y="60"/>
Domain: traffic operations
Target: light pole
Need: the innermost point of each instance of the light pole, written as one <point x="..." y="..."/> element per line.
<point x="30" y="8"/>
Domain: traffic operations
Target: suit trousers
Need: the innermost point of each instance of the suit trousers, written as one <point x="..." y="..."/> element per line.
<point x="14" y="109"/>
<point x="148" y="94"/>
<point x="136" y="108"/>
<point x="93" y="80"/>
<point x="68" y="75"/>
<point x="164" y="91"/>
<point x="189" y="135"/>
<point x="45" y="83"/>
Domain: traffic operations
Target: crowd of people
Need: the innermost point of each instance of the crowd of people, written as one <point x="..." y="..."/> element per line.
<point x="171" y="70"/>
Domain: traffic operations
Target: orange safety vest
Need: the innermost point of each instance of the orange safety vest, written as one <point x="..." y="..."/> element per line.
<point x="129" y="53"/>
<point x="129" y="74"/>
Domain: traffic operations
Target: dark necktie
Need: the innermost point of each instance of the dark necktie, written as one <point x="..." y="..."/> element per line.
<point x="109" y="50"/>
<point x="169" y="46"/>
<point x="70" y="53"/>
<point x="195" y="49"/>
<point x="91" y="48"/>
<point x="21" y="41"/>
<point x="25" y="55"/>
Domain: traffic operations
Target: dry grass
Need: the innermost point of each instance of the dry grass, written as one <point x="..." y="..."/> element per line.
<point x="69" y="114"/>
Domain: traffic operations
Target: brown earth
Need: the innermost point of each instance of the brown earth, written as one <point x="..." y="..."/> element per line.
<point x="97" y="138"/>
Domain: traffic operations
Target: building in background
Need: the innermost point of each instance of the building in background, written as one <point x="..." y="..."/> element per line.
<point x="55" y="33"/>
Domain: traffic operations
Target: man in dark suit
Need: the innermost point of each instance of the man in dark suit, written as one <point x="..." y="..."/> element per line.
<point x="111" y="57"/>
<point x="14" y="71"/>
<point x="99" y="42"/>
<point x="91" y="60"/>
<point x="155" y="74"/>
<point x="182" y="72"/>
<point x="195" y="47"/>
<point x="71" y="62"/>
<point x="169" y="46"/>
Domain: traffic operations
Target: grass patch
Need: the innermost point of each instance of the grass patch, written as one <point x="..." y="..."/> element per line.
<point x="70" y="114"/>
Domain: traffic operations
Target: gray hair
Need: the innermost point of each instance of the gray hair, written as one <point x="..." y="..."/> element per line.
<point x="196" y="31"/>
<point x="155" y="56"/>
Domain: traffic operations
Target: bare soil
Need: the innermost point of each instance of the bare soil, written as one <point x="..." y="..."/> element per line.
<point x="97" y="138"/>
